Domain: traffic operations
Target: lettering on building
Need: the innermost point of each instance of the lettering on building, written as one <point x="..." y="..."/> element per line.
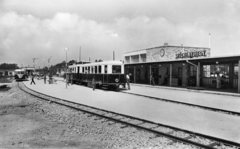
<point x="191" y="54"/>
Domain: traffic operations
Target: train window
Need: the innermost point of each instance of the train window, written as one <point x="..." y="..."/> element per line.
<point x="92" y="70"/>
<point x="96" y="69"/>
<point x="116" y="69"/>
<point x="99" y="69"/>
<point x="83" y="69"/>
<point x="105" y="68"/>
<point x="89" y="69"/>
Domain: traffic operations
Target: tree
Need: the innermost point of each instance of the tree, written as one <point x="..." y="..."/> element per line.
<point x="8" y="66"/>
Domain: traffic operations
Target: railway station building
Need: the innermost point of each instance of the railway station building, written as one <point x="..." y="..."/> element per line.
<point x="182" y="66"/>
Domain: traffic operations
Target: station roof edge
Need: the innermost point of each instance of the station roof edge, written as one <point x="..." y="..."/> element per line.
<point x="167" y="46"/>
<point x="192" y="59"/>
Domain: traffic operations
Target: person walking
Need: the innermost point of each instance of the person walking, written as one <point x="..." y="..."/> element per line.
<point x="128" y="81"/>
<point x="152" y="80"/>
<point x="93" y="83"/>
<point x="45" y="78"/>
<point x="32" y="80"/>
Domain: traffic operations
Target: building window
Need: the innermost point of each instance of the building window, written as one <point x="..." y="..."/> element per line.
<point x="213" y="70"/>
<point x="116" y="69"/>
<point x="236" y="71"/>
<point x="135" y="58"/>
<point x="127" y="59"/>
<point x="193" y="70"/>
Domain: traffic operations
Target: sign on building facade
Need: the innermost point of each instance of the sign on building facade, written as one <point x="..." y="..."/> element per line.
<point x="175" y="53"/>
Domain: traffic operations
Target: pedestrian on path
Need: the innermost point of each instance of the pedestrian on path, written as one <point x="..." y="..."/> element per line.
<point x="128" y="81"/>
<point x="32" y="80"/>
<point x="152" y="80"/>
<point x="45" y="78"/>
<point x="93" y="83"/>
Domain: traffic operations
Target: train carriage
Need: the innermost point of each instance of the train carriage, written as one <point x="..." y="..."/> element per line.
<point x="109" y="74"/>
<point x="22" y="74"/>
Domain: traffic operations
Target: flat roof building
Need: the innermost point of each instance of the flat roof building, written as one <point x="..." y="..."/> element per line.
<point x="183" y="66"/>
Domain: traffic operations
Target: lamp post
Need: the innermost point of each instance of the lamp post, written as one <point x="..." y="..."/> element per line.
<point x="44" y="67"/>
<point x="66" y="50"/>
<point x="49" y="63"/>
<point x="34" y="63"/>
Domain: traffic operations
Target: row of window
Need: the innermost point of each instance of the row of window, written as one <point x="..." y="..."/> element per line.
<point x="97" y="69"/>
<point x="222" y="70"/>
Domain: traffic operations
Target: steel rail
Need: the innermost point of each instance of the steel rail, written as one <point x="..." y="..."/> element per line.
<point x="177" y="139"/>
<point x="188" y="104"/>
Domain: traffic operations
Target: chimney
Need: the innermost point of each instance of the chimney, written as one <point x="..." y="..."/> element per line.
<point x="165" y="44"/>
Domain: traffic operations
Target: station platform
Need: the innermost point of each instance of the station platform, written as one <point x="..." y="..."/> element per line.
<point x="194" y="119"/>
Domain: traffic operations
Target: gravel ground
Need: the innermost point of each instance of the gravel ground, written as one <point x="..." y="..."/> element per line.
<point x="26" y="122"/>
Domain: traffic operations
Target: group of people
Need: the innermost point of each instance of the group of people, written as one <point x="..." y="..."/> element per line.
<point x="33" y="76"/>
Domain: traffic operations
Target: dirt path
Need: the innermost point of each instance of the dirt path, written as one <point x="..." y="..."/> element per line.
<point x="24" y="124"/>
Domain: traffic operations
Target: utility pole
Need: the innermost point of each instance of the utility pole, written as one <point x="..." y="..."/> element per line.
<point x="113" y="55"/>
<point x="79" y="55"/>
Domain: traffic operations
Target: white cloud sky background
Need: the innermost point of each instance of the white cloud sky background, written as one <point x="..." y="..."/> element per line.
<point x="42" y="28"/>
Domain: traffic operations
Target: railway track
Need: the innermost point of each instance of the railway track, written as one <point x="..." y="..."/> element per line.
<point x="176" y="135"/>
<point x="189" y="104"/>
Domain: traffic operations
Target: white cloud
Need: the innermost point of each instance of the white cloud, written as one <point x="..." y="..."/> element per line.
<point x="43" y="28"/>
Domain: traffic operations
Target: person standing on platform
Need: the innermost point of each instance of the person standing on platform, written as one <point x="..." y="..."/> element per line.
<point x="93" y="83"/>
<point x="45" y="78"/>
<point x="128" y="81"/>
<point x="71" y="79"/>
<point x="32" y="80"/>
<point x="152" y="80"/>
<point x="67" y="79"/>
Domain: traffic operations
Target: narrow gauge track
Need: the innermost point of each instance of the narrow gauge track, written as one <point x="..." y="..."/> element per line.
<point x="172" y="133"/>
<point x="189" y="104"/>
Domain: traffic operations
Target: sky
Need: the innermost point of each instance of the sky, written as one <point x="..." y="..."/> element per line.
<point x="44" y="28"/>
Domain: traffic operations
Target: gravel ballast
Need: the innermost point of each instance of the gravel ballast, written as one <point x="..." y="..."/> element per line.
<point x="29" y="122"/>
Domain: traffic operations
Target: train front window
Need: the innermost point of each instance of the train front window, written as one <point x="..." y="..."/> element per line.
<point x="116" y="69"/>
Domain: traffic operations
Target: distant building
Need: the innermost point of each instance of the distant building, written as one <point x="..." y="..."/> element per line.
<point x="7" y="72"/>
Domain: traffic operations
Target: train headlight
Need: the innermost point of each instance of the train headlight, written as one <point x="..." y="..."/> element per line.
<point x="116" y="80"/>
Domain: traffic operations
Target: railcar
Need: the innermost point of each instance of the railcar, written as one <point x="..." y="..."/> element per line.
<point x="20" y="75"/>
<point x="106" y="74"/>
<point x="23" y="73"/>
